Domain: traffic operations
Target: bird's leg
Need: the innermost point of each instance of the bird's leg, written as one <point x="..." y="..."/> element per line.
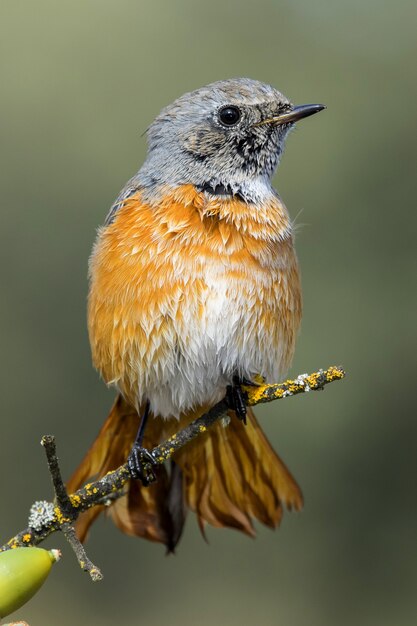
<point x="140" y="460"/>
<point x="236" y="397"/>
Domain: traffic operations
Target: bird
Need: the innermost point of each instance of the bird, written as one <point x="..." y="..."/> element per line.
<point x="194" y="290"/>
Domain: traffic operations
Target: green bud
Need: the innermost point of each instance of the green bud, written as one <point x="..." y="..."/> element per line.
<point x="22" y="572"/>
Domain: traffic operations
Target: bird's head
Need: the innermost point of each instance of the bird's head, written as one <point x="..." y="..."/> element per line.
<point x="223" y="136"/>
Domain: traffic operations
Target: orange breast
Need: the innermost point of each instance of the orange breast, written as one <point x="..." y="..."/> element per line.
<point x="188" y="289"/>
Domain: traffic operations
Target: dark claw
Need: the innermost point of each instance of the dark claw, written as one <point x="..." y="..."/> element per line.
<point x="236" y="398"/>
<point x="141" y="465"/>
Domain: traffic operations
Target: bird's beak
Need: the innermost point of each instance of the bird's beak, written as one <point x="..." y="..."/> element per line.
<point x="297" y="113"/>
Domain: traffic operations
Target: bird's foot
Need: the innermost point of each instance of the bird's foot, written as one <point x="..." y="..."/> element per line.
<point x="141" y="465"/>
<point x="236" y="397"/>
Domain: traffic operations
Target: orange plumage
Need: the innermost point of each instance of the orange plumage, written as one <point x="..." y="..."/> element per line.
<point x="192" y="283"/>
<point x="233" y="474"/>
<point x="149" y="285"/>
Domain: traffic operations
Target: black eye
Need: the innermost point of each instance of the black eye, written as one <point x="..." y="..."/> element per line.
<point x="229" y="115"/>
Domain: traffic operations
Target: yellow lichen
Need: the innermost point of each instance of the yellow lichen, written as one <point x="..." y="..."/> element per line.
<point x="303" y="383"/>
<point x="75" y="500"/>
<point x="60" y="517"/>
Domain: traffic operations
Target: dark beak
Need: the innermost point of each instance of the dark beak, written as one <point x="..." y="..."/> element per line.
<point x="297" y="113"/>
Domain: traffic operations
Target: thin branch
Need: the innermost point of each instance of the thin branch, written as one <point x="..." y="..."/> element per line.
<point x="46" y="517"/>
<point x="67" y="512"/>
<point x="61" y="495"/>
<point x="83" y="560"/>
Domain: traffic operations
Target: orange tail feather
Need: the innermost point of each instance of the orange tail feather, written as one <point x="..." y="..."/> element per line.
<point x="228" y="476"/>
<point x="234" y="475"/>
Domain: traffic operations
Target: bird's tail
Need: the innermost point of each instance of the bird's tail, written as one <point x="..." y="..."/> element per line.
<point x="228" y="476"/>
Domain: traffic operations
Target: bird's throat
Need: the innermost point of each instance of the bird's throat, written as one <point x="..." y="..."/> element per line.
<point x="220" y="209"/>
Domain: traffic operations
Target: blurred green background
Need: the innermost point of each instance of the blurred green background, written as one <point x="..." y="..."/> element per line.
<point x="80" y="82"/>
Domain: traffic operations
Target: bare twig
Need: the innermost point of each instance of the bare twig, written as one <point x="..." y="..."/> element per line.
<point x="85" y="563"/>
<point x="61" y="496"/>
<point x="67" y="512"/>
<point x="46" y="517"/>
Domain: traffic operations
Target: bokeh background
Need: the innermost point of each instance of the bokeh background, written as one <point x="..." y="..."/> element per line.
<point x="80" y="82"/>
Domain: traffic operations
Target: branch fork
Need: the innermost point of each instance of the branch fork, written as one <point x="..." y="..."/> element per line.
<point x="48" y="517"/>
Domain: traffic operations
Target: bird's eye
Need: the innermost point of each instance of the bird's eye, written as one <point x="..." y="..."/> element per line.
<point x="229" y="115"/>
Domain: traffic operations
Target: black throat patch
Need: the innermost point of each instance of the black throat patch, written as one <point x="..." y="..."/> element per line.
<point x="220" y="190"/>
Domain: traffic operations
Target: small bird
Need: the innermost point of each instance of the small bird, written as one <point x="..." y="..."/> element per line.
<point x="195" y="290"/>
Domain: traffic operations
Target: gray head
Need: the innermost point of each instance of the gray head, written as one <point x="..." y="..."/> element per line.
<point x="227" y="136"/>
